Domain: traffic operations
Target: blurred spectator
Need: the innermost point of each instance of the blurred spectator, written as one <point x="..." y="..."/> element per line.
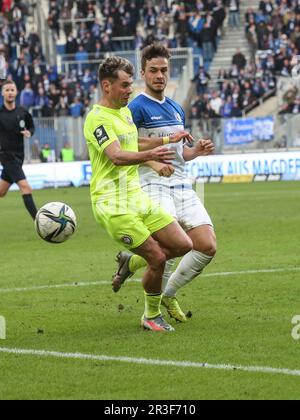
<point x="227" y="107"/>
<point x="62" y="108"/>
<point x="201" y="79"/>
<point x="234" y="13"/>
<point x="216" y="102"/>
<point x="81" y="56"/>
<point x="76" y="108"/>
<point x="27" y="96"/>
<point x="35" y="150"/>
<point x="67" y="154"/>
<point x="239" y="60"/>
<point x="47" y="154"/>
<point x="41" y="102"/>
<point x="208" y="35"/>
<point x="219" y="14"/>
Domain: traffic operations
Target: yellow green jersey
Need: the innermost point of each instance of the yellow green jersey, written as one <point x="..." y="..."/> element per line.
<point x="104" y="126"/>
<point x="119" y="204"/>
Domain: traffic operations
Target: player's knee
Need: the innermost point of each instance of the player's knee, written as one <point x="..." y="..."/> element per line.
<point x="211" y="251"/>
<point x="188" y="247"/>
<point x="159" y="260"/>
<point x="209" y="248"/>
<point x="3" y="192"/>
<point x="185" y="247"/>
<point x="26" y="190"/>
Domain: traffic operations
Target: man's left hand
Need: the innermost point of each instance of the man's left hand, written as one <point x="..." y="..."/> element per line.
<point x="205" y="147"/>
<point x="26" y="134"/>
<point x="182" y="135"/>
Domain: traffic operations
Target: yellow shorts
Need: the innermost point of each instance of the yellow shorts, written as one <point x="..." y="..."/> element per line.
<point x="132" y="222"/>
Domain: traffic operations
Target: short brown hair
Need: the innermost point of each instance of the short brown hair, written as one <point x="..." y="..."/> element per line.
<point x="8" y="82"/>
<point x="109" y="69"/>
<point x="154" y="51"/>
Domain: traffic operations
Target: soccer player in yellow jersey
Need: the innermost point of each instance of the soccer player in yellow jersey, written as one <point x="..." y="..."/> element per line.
<point x="156" y="115"/>
<point x="119" y="204"/>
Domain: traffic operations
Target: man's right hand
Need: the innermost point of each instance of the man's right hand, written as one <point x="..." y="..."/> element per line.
<point x="162" y="169"/>
<point x="162" y="154"/>
<point x="166" y="171"/>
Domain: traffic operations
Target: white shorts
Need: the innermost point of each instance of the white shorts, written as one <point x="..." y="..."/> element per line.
<point x="182" y="203"/>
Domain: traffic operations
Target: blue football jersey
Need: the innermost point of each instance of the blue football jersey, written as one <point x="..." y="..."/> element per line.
<point x="155" y="118"/>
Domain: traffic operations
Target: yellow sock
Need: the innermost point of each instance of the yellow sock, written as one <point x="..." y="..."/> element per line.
<point x="136" y="263"/>
<point x="152" y="305"/>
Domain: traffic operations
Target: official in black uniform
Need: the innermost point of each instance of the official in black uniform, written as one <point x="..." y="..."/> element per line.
<point x="16" y="123"/>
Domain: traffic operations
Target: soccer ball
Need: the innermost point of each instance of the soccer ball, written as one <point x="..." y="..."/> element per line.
<point x="55" y="222"/>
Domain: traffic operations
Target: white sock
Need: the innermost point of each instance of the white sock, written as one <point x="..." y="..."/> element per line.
<point x="168" y="273"/>
<point x="191" y="266"/>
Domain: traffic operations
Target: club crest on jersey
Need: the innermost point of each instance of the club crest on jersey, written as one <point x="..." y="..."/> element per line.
<point x="101" y="135"/>
<point x="127" y="240"/>
<point x="178" y="117"/>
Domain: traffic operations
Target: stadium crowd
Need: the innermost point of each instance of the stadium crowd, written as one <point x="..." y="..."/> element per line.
<point x="41" y="88"/>
<point x="101" y="24"/>
<point x="89" y="29"/>
<point x="273" y="31"/>
<point x="92" y="28"/>
<point x="193" y="23"/>
<point x="236" y="90"/>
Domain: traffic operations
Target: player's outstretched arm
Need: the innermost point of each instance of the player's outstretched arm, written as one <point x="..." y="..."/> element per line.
<point x="123" y="158"/>
<point x="201" y="148"/>
<point x="146" y="143"/>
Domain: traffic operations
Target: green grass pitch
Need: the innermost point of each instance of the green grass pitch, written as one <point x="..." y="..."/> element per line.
<point x="238" y="319"/>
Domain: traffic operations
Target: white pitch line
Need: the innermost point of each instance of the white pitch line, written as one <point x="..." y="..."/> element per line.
<point x="54" y="286"/>
<point x="149" y="362"/>
<point x="266" y="271"/>
<point x="105" y="283"/>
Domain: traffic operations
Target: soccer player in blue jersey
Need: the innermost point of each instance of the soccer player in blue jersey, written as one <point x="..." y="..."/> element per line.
<point x="158" y="116"/>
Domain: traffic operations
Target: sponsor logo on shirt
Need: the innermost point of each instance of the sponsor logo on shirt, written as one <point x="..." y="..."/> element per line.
<point x="101" y="135"/>
<point x="156" y="118"/>
<point x="178" y="117"/>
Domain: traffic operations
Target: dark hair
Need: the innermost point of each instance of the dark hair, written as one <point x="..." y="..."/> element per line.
<point x="8" y="82"/>
<point x="154" y="51"/>
<point x="109" y="69"/>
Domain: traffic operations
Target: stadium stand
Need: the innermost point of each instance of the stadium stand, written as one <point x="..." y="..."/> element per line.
<point x="234" y="91"/>
<point x="86" y="30"/>
<point x="127" y="25"/>
<point x="273" y="36"/>
<point x="236" y="53"/>
<point x="20" y="45"/>
<point x="41" y="88"/>
<point x="273" y="32"/>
